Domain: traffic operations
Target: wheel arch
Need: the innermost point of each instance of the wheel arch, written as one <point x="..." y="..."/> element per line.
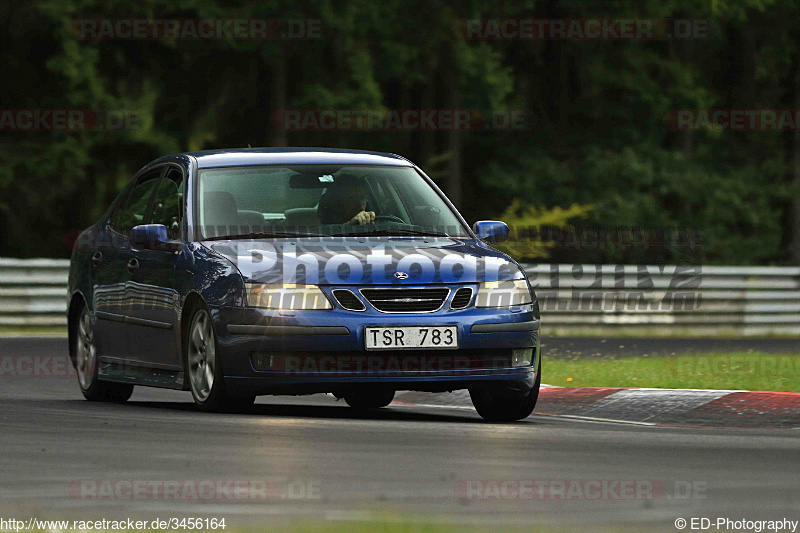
<point x="76" y="302"/>
<point x="193" y="301"/>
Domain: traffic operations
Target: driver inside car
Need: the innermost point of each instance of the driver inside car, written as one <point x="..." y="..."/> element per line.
<point x="345" y="203"/>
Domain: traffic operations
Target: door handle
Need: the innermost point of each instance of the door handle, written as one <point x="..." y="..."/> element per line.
<point x="96" y="258"/>
<point x="133" y="264"/>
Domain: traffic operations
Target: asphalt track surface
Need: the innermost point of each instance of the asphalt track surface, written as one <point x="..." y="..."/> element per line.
<point x="323" y="462"/>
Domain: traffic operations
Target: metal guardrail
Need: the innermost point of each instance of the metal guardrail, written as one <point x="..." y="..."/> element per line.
<point x="574" y="299"/>
<point x="33" y="292"/>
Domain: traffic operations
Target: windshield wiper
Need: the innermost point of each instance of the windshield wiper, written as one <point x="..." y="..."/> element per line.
<point x="263" y="235"/>
<point x="392" y="231"/>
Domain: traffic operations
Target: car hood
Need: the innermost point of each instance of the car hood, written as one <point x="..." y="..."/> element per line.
<point x="375" y="261"/>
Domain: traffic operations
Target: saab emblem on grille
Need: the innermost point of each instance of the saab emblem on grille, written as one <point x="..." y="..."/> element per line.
<point x="401" y="275"/>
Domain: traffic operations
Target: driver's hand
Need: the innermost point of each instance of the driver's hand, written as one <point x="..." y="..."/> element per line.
<point x="363" y="218"/>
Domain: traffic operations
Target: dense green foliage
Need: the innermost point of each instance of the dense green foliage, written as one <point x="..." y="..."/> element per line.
<point x="595" y="110"/>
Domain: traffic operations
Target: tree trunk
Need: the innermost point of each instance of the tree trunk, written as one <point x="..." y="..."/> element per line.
<point x="794" y="182"/>
<point x="277" y="135"/>
<point x="454" y="137"/>
<point x="427" y="138"/>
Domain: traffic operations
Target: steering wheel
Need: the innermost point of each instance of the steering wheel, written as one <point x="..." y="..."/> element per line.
<point x="389" y="218"/>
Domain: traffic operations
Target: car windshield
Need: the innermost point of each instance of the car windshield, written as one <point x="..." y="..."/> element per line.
<point x="321" y="200"/>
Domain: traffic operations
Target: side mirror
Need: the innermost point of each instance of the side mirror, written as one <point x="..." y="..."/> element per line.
<point x="153" y="237"/>
<point x="492" y="231"/>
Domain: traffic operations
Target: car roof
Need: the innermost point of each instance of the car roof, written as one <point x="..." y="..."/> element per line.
<point x="293" y="156"/>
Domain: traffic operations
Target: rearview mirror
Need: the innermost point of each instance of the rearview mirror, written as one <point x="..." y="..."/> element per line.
<point x="153" y="237"/>
<point x="492" y="231"/>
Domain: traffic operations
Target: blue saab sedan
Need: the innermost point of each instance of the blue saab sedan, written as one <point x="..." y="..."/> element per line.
<point x="238" y="273"/>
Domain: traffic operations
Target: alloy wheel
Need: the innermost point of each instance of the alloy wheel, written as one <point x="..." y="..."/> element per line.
<point x="202" y="355"/>
<point x="86" y="354"/>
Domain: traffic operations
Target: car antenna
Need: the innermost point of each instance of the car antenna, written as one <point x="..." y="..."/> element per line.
<point x="248" y="145"/>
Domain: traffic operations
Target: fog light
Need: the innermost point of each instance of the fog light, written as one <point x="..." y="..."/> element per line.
<point x="263" y="360"/>
<point x="521" y="356"/>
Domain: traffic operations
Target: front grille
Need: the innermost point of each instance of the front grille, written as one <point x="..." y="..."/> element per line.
<point x="406" y="300"/>
<point x="462" y="298"/>
<point x="348" y="300"/>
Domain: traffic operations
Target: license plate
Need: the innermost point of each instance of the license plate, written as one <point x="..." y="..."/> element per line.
<point x="410" y="337"/>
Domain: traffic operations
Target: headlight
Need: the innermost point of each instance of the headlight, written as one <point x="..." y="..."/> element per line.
<point x="503" y="293"/>
<point x="286" y="296"/>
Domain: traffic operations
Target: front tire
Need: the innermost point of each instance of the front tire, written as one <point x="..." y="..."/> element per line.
<point x="204" y="367"/>
<point x="85" y="352"/>
<point x="502" y="405"/>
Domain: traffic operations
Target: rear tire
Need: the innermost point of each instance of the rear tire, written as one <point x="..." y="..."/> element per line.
<point x="369" y="398"/>
<point x="503" y="405"/>
<point x="85" y="352"/>
<point x="204" y="367"/>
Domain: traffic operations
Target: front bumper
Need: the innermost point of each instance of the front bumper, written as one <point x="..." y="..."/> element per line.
<point x="486" y="338"/>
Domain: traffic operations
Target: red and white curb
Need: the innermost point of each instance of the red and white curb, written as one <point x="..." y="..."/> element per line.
<point x="649" y="407"/>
